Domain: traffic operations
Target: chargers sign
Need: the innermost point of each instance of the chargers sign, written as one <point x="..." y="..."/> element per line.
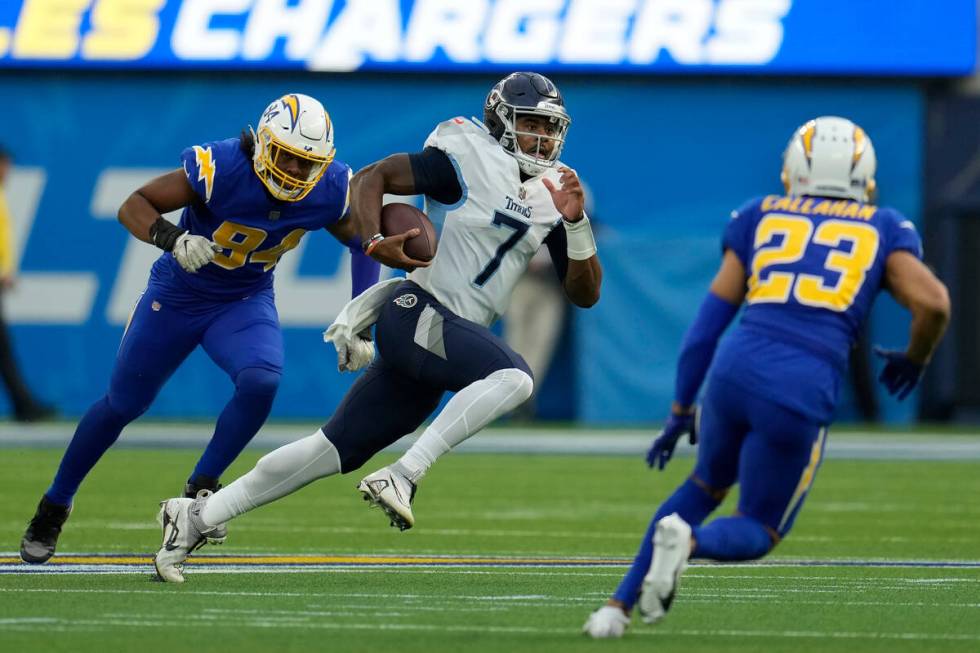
<point x="643" y="36"/>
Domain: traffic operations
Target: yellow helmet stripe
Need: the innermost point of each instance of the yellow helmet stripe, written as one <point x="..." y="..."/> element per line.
<point x="291" y="102"/>
<point x="809" y="131"/>
<point x="860" y="143"/>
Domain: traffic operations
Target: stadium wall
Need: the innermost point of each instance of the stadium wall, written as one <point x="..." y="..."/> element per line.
<point x="667" y="160"/>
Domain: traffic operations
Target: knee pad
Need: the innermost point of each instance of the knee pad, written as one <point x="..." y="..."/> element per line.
<point x="257" y="381"/>
<point x="518" y="380"/>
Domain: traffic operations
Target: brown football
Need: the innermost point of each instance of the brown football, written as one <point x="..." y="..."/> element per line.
<point x="398" y="218"/>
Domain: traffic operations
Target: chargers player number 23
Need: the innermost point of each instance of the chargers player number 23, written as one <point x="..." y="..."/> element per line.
<point x="853" y="250"/>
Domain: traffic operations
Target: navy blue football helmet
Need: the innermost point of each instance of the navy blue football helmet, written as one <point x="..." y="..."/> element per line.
<point x="523" y="94"/>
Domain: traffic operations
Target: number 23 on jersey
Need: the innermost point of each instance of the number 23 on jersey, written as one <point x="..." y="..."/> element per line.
<point x="771" y="286"/>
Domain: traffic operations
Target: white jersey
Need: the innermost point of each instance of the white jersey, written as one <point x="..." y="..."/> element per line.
<point x="490" y="234"/>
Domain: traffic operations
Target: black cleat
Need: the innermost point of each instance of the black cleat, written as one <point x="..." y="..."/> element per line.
<point x="35" y="412"/>
<point x="42" y="533"/>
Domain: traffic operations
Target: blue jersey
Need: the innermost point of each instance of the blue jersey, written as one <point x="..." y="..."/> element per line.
<point x="234" y="210"/>
<point x="814" y="266"/>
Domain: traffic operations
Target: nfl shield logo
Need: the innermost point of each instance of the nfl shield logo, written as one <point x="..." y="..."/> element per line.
<point x="522" y="193"/>
<point x="273" y="215"/>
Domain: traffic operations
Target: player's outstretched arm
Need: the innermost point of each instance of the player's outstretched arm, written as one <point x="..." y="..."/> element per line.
<point x="715" y="314"/>
<point x="367" y="189"/>
<point x="916" y="288"/>
<point x="364" y="271"/>
<point x="583" y="278"/>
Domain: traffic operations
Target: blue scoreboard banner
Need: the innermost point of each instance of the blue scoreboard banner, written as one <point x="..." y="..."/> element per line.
<point x="833" y="37"/>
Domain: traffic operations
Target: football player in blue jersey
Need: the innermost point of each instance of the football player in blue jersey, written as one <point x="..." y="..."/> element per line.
<point x="807" y="266"/>
<point x="246" y="201"/>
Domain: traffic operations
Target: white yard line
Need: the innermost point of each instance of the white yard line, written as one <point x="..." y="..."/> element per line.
<point x="844" y="444"/>
<point x="481" y="629"/>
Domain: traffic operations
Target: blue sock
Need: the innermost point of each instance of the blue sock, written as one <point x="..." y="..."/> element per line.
<point x="255" y="388"/>
<point x="732" y="538"/>
<point x="98" y="430"/>
<point x="693" y="505"/>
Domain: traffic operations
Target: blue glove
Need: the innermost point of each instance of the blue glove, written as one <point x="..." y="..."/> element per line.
<point x="900" y="375"/>
<point x="662" y="448"/>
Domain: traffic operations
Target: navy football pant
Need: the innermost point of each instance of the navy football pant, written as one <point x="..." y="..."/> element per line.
<point x="772" y="453"/>
<point x="242" y="337"/>
<point x="424" y="350"/>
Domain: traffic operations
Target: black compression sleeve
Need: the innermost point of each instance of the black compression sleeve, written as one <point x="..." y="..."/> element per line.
<point x="435" y="175"/>
<point x="164" y="234"/>
<point x="557" y="242"/>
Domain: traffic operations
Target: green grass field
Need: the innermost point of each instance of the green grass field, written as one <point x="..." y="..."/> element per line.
<point x="502" y="506"/>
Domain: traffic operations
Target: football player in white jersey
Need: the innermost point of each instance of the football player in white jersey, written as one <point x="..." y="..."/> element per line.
<point x="500" y="192"/>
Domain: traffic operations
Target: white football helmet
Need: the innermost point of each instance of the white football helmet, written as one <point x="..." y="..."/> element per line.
<point x="831" y="157"/>
<point x="293" y="146"/>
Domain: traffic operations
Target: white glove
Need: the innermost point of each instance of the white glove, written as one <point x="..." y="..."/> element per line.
<point x="194" y="252"/>
<point x="354" y="354"/>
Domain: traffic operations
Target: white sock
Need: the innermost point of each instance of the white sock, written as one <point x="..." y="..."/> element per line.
<point x="277" y="474"/>
<point x="467" y="412"/>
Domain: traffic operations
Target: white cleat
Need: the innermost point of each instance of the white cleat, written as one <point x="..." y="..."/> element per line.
<point x="183" y="533"/>
<point x="608" y="622"/>
<point x="219" y="533"/>
<point x="671" y="549"/>
<point x="393" y="492"/>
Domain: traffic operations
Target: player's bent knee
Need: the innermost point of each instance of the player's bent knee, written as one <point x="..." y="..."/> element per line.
<point x="258" y="381"/>
<point x="524" y="367"/>
<point x="764" y="539"/>
<point x="518" y="381"/>
<point x="126" y="408"/>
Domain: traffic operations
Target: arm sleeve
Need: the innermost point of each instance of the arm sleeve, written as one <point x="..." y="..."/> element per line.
<point x="364" y="270"/>
<point x="699" y="345"/>
<point x="435" y="175"/>
<point x="557" y="243"/>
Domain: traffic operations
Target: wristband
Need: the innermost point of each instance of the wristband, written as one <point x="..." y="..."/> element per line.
<point x="581" y="242"/>
<point x="164" y="234"/>
<point x="372" y="242"/>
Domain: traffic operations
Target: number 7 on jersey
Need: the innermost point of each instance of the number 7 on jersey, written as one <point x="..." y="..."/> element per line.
<point x="502" y="220"/>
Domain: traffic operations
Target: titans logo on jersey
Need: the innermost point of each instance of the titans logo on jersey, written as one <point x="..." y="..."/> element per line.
<point x="815" y="265"/>
<point x="237" y="213"/>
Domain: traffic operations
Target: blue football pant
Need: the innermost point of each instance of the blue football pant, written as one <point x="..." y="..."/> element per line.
<point x="241" y="337"/>
<point x="772" y="452"/>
